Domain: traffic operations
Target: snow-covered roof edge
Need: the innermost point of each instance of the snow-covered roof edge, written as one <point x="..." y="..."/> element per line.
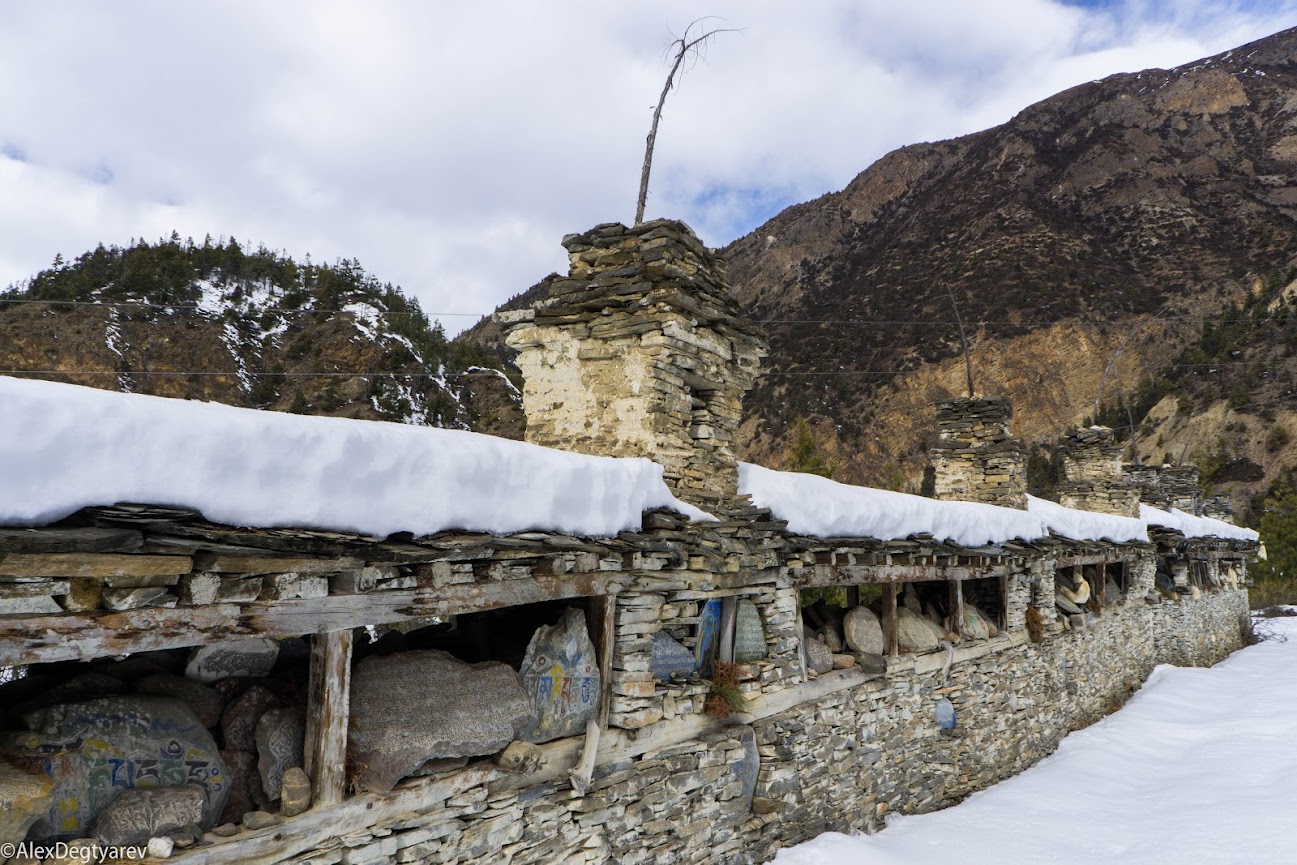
<point x="1083" y="525"/>
<point x="64" y="447"/>
<point x="1195" y="527"/>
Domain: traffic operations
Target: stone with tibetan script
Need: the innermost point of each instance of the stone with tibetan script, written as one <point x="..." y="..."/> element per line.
<point x="561" y="674"/>
<point x="709" y="631"/>
<point x="250" y="658"/>
<point x="420" y="705"/>
<point x="137" y="815"/>
<point x="206" y="702"/>
<point x="24" y="798"/>
<point x="239" y="721"/>
<point x="669" y="657"/>
<point x="818" y="656"/>
<point x="96" y="749"/>
<point x="281" y="734"/>
<point x="914" y="632"/>
<point x="749" y="635"/>
<point x="863" y="631"/>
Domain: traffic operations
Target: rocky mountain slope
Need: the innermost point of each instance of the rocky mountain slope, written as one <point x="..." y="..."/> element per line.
<point x="1141" y="225"/>
<point x="250" y="328"/>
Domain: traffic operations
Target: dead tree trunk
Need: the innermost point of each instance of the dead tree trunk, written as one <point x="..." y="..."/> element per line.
<point x="684" y="47"/>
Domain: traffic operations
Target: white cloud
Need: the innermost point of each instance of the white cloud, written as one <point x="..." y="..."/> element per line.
<point x="450" y="146"/>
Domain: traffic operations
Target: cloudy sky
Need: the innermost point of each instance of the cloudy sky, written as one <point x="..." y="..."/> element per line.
<point x="449" y="146"/>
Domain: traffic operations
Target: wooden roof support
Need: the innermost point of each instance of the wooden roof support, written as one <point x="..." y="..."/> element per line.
<point x="328" y="713"/>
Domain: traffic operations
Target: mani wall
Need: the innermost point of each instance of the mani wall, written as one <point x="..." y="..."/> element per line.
<point x="704" y="691"/>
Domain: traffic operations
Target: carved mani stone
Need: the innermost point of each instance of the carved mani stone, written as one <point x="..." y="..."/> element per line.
<point x="749" y="635"/>
<point x="239" y="723"/>
<point x="415" y="706"/>
<point x="818" y="656"/>
<point x="24" y="798"/>
<point x="251" y="658"/>
<point x="94" y="750"/>
<point x="561" y="674"/>
<point x="280" y="737"/>
<point x="670" y="657"/>
<point x="135" y="816"/>
<point x="914" y="632"/>
<point x="206" y="703"/>
<point x="864" y="633"/>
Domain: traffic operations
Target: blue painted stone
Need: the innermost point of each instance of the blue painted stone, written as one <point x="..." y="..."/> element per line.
<point x="561" y="674"/>
<point x="95" y="749"/>
<point x="670" y="657"/>
<point x="945" y="714"/>
<point x="709" y="632"/>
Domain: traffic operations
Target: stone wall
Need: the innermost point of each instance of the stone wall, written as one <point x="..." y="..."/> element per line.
<point x="640" y="351"/>
<point x="857" y="749"/>
<point x="977" y="459"/>
<point x="1092" y="475"/>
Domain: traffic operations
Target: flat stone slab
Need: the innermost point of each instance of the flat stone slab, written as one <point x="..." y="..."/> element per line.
<point x="749" y="633"/>
<point x="24" y="798"/>
<point x="668" y="657"/>
<point x="416" y="706"/>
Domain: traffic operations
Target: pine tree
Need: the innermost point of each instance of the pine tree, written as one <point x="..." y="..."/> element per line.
<point x="805" y="454"/>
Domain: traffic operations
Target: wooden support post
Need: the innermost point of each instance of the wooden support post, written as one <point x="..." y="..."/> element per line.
<point x="603" y="631"/>
<point x="853" y="597"/>
<point x="1004" y="603"/>
<point x="890" y="643"/>
<point x="801" y="641"/>
<point x="957" y="604"/>
<point x="328" y="712"/>
<point x="725" y="645"/>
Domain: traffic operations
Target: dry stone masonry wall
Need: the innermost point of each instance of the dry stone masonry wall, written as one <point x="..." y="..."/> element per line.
<point x="977" y="459"/>
<point x="640" y="351"/>
<point x="1092" y="475"/>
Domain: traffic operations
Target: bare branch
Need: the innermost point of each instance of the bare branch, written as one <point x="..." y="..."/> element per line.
<point x="684" y="46"/>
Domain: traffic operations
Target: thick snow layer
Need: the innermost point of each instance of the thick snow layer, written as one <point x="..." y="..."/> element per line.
<point x="1195" y="527"/>
<point x="1087" y="525"/>
<point x="1198" y="768"/>
<point x="819" y="507"/>
<point x="64" y="447"/>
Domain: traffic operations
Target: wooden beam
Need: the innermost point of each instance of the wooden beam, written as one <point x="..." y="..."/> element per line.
<point x="328" y="711"/>
<point x="838" y="575"/>
<point x="26" y="639"/>
<point x="891" y="645"/>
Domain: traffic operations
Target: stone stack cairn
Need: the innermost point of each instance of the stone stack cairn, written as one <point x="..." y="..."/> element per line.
<point x="1218" y="508"/>
<point x="640" y="351"/>
<point x="1146" y="480"/>
<point x="1180" y="489"/>
<point x="1093" y="479"/>
<point x="977" y="459"/>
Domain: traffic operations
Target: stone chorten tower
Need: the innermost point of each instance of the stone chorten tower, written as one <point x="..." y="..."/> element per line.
<point x="640" y="352"/>
<point x="1092" y="474"/>
<point x="977" y="459"/>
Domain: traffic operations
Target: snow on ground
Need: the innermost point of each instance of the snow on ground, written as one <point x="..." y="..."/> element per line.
<point x="64" y="447"/>
<point x="1199" y="767"/>
<point x="819" y="507"/>
<point x="1194" y="527"/>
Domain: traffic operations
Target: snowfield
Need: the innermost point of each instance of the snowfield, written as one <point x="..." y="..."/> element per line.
<point x="1199" y="767"/>
<point x="64" y="447"/>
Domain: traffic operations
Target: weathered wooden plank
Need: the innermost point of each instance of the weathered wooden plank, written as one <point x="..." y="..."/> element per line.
<point x="837" y="575"/>
<point x="222" y="563"/>
<point x="604" y="633"/>
<point x="890" y="643"/>
<point x="328" y="710"/>
<point x="85" y="540"/>
<point x="73" y="636"/>
<point x="957" y="590"/>
<point x="319" y="826"/>
<point x="30" y="639"/>
<point x="91" y="565"/>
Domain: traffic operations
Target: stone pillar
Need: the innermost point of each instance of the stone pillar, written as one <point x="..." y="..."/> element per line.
<point x="1218" y="508"/>
<point x="640" y="352"/>
<point x="977" y="459"/>
<point x="1092" y="474"/>
<point x="1147" y="483"/>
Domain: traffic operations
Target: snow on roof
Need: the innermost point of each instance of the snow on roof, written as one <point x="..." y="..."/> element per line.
<point x="65" y="447"/>
<point x="1087" y="525"/>
<point x="819" y="507"/>
<point x="1195" y="527"/>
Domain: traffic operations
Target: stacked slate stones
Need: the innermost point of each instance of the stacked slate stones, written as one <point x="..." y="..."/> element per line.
<point x="1093" y="474"/>
<point x="977" y="459"/>
<point x="641" y="351"/>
